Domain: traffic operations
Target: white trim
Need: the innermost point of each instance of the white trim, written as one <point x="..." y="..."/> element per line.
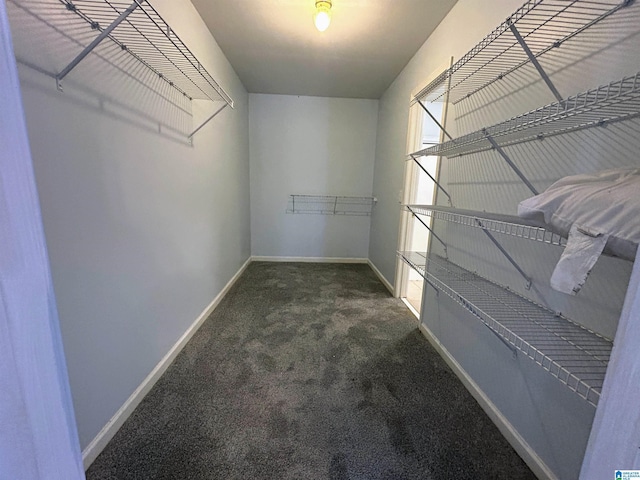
<point x="432" y="76"/>
<point x="105" y="435"/>
<point x="384" y="281"/>
<point x="519" y="444"/>
<point x="413" y="143"/>
<point x="259" y="258"/>
<point x="411" y="308"/>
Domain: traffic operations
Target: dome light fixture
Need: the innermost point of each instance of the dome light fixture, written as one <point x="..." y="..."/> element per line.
<point x="322" y="17"/>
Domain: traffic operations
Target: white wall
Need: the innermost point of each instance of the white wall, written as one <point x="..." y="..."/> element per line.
<point x="552" y="421"/>
<point x="316" y="146"/>
<point x="612" y="444"/>
<point x="143" y="229"/>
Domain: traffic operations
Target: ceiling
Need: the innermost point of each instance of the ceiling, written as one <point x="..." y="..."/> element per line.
<point x="274" y="46"/>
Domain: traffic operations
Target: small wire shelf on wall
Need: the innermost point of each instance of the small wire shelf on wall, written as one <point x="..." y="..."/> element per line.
<point x="331" y="205"/>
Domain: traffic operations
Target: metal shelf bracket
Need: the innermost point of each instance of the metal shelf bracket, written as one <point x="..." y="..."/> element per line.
<point x="507" y="255"/>
<point x="435" y="235"/>
<point x="513" y="166"/>
<point x="190" y="136"/>
<point x="415" y="159"/>
<point x="424" y="107"/>
<point x="96" y="41"/>
<point x="534" y="60"/>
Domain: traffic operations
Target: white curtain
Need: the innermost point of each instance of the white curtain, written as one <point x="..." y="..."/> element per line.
<point x="38" y="436"/>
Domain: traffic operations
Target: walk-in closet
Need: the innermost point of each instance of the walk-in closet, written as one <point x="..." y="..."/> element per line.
<point x="319" y="239"/>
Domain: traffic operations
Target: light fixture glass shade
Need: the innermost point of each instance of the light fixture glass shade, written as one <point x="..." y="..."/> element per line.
<point x="322" y="18"/>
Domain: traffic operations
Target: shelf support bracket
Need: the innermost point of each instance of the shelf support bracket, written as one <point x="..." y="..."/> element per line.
<point x="508" y="345"/>
<point x="207" y="121"/>
<point x="471" y="308"/>
<point x="446" y="253"/>
<point x="433" y="179"/>
<point x="432" y="285"/>
<point x="424" y="107"/>
<point x="534" y="61"/>
<point x="513" y="166"/>
<point x="506" y="254"/>
<point x="423" y="275"/>
<point x="96" y="41"/>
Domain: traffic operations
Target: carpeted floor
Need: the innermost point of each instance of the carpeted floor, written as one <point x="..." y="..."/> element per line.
<point x="309" y="371"/>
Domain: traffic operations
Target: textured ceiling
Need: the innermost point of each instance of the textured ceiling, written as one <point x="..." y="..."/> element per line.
<point x="275" y="48"/>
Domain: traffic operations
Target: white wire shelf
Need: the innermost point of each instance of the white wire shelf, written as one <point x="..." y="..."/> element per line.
<point x="511" y="225"/>
<point x="136" y="29"/>
<point x="573" y="354"/>
<point x="493" y="222"/>
<point x="607" y="104"/>
<point x="543" y="24"/>
<point x="330" y="205"/>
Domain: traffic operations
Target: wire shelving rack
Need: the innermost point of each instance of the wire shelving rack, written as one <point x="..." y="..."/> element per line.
<point x="573" y="354"/>
<point x="493" y="222"/>
<point x="135" y="28"/>
<point x="330" y="205"/>
<point x="542" y="24"/>
<point x="607" y="104"/>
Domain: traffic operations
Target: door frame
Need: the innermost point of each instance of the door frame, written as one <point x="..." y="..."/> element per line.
<point x="414" y="142"/>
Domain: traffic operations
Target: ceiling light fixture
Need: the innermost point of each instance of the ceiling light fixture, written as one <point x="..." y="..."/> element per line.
<point x="322" y="17"/>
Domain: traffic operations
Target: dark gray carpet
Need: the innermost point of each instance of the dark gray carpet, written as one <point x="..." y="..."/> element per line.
<point x="308" y="371"/>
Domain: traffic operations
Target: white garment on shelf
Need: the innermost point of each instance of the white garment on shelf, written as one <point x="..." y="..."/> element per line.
<point x="598" y="209"/>
<point x="582" y="251"/>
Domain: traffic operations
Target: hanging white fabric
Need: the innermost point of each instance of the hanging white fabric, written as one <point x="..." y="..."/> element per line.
<point x="596" y="211"/>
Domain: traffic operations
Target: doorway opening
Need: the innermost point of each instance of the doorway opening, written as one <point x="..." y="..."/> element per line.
<point x="425" y="121"/>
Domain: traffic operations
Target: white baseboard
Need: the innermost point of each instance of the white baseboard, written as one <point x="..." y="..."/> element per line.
<point x="384" y="281"/>
<point x="519" y="444"/>
<point x="259" y="258"/>
<point x="101" y="440"/>
<point x="411" y="309"/>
